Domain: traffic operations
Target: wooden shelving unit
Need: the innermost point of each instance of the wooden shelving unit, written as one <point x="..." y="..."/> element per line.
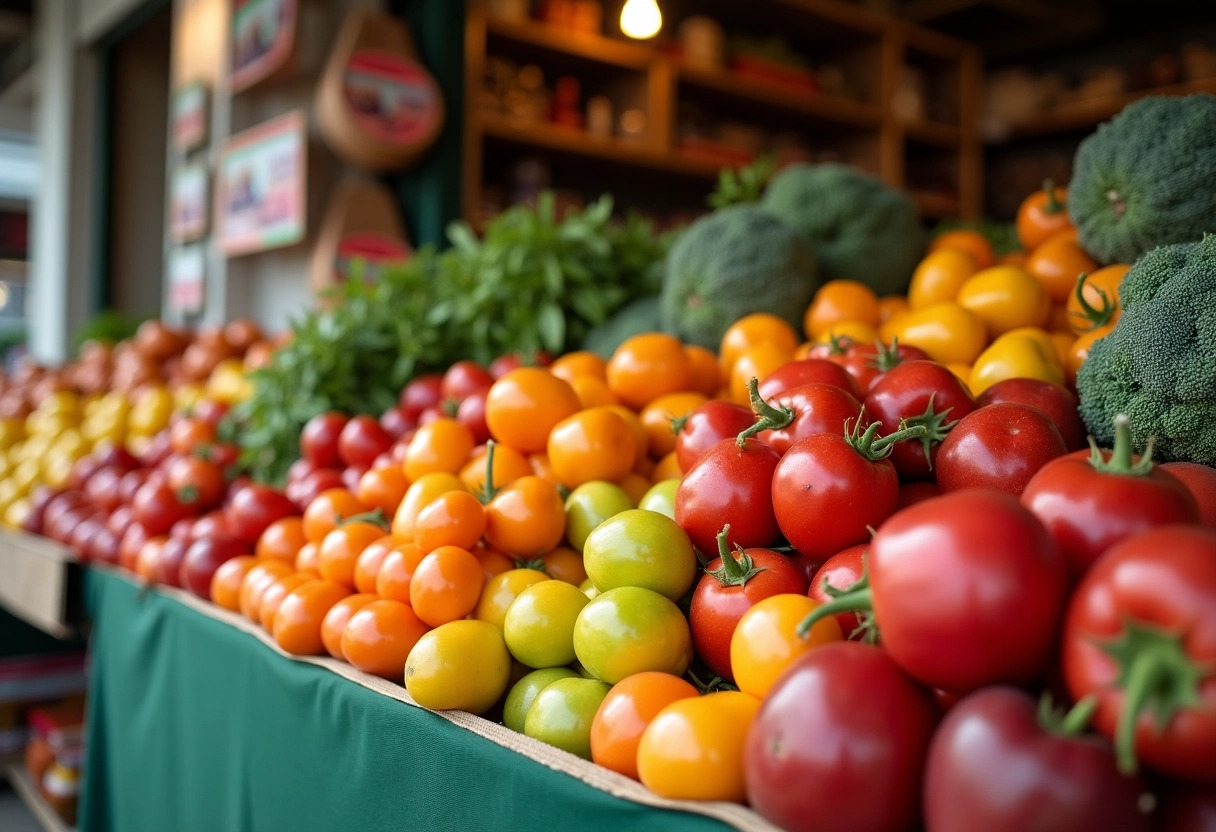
<point x="864" y="128"/>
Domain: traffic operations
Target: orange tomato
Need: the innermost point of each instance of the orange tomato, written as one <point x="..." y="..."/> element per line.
<point x="368" y="564"/>
<point x="306" y="558"/>
<point x="382" y="488"/>
<point x="565" y="564"/>
<point x="706" y="374"/>
<point x="635" y="485"/>
<point x="1080" y="351"/>
<point x="324" y="513"/>
<point x="540" y="463"/>
<point x="753" y="330"/>
<point x="938" y="278"/>
<point x="858" y="332"/>
<point x="526" y="518"/>
<point x="668" y="468"/>
<point x="147" y="562"/>
<point x="758" y="362"/>
<point x="657" y="418"/>
<point x="282" y="540"/>
<point x="509" y="465"/>
<point x="393" y="580"/>
<point x="1062" y="341"/>
<point x="255" y="583"/>
<point x="456" y="518"/>
<point x="1013" y="258"/>
<point x="276" y="592"/>
<point x="629" y="707"/>
<point x="333" y="625"/>
<point x="420" y="492"/>
<point x="1101" y="295"/>
<point x="766" y="640"/>
<point x="493" y="562"/>
<point x="379" y="637"/>
<point x="446" y="585"/>
<point x="593" y="444"/>
<point x="889" y="306"/>
<point x="647" y="366"/>
<point x="593" y="392"/>
<point x="1042" y="214"/>
<point x="837" y="301"/>
<point x="634" y="423"/>
<point x="584" y="363"/>
<point x="441" y="446"/>
<point x="297" y="622"/>
<point x="972" y="242"/>
<point x="227" y="580"/>
<point x="1057" y="264"/>
<point x="340" y="550"/>
<point x="524" y="405"/>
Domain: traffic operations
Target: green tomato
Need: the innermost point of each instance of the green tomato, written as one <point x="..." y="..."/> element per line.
<point x="539" y="625"/>
<point x="588" y="588"/>
<point x="641" y="548"/>
<point x="628" y="630"/>
<point x="661" y="498"/>
<point x="562" y="713"/>
<point x="591" y="504"/>
<point x="524" y="693"/>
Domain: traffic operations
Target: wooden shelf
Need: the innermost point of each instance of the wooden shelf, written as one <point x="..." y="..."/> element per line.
<point x="946" y="136"/>
<point x="935" y="205"/>
<point x="786" y="97"/>
<point x="579" y="44"/>
<point x="1085" y="114"/>
<point x="24" y="786"/>
<point x="580" y="143"/>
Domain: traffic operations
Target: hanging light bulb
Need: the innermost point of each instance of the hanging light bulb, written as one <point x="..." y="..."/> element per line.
<point x="641" y="19"/>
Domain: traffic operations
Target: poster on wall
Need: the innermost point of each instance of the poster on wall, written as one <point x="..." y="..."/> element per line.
<point x="190" y="116"/>
<point x="188" y="203"/>
<point x="187" y="280"/>
<point x="261" y="187"/>
<point x="263" y="39"/>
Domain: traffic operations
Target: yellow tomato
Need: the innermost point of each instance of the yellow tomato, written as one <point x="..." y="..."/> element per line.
<point x="228" y="383"/>
<point x="103" y="429"/>
<point x="962" y="371"/>
<point x="17" y="512"/>
<point x="837" y="301"/>
<point x="858" y="332"/>
<point x="11" y="432"/>
<point x="151" y="411"/>
<point x="752" y="331"/>
<point x="462" y="665"/>
<point x="62" y="401"/>
<point x="766" y="641"/>
<point x="1015" y="356"/>
<point x="26" y="475"/>
<point x="939" y="277"/>
<point x="657" y="418"/>
<point x="57" y="468"/>
<point x="1005" y="298"/>
<point x="1062" y="341"/>
<point x="947" y="331"/>
<point x="500" y="591"/>
<point x="49" y="422"/>
<point x="891" y="305"/>
<point x="757" y="362"/>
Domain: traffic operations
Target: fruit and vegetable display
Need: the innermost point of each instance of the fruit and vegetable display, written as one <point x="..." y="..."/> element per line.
<point x="869" y="544"/>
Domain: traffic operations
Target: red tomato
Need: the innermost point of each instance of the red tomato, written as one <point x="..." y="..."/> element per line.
<point x="911" y="493"/>
<point x="204" y="557"/>
<point x="156" y="507"/>
<point x="966" y="589"/>
<point x="254" y="508"/>
<point x="1057" y="401"/>
<point x="1064" y="780"/>
<point x="733" y="582"/>
<point x="1200" y="480"/>
<point x="839" y="744"/>
<point x="472" y="414"/>
<point x="840" y="572"/>
<point x="1089" y="505"/>
<point x="1000" y="446"/>
<point x="319" y="439"/>
<point x="918" y="393"/>
<point x="731" y="484"/>
<point x="395" y="422"/>
<point x="804" y="411"/>
<point x="1141" y="636"/>
<point x="319" y="481"/>
<point x="807" y="371"/>
<point x="169" y="566"/>
<point x="830" y="489"/>
<point x="463" y="379"/>
<point x="362" y="440"/>
<point x="867" y="363"/>
<point x="197" y="482"/>
<point x="708" y="425"/>
<point x="420" y="394"/>
<point x="1184" y="808"/>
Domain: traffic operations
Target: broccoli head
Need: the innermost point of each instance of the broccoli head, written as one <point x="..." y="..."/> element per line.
<point x="1158" y="365"/>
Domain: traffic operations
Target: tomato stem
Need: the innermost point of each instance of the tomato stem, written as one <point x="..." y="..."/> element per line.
<point x="678" y="422"/>
<point x="839" y="344"/>
<point x="1121" y="459"/>
<point x="767" y="416"/>
<point x="1070" y="724"/>
<point x="376" y="517"/>
<point x="1095" y="317"/>
<point x="733" y="572"/>
<point x="1053" y="206"/>
<point x="867" y="443"/>
<point x="857" y="598"/>
<point x="886" y="358"/>
<point x="187" y="495"/>
<point x="488" y="491"/>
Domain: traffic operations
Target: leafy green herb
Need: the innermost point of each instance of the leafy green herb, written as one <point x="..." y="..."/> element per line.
<point x="744" y="184"/>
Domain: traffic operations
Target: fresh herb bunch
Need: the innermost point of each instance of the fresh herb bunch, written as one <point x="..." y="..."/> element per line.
<point x="1001" y="235"/>
<point x="745" y="184"/>
<point x="533" y="282"/>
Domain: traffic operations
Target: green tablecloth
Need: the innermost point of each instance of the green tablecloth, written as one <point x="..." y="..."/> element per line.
<point x="197" y="726"/>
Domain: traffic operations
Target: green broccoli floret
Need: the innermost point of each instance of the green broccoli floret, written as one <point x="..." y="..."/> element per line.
<point x="731" y="263"/>
<point x="1158" y="365"/>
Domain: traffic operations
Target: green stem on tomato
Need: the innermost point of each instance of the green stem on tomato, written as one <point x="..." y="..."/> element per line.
<point x="857" y="598"/>
<point x="1053" y="206"/>
<point x="488" y="491"/>
<point x="1070" y="724"/>
<point x="767" y="416"/>
<point x="376" y="517"/>
<point x="867" y="442"/>
<point x="1096" y="317"/>
<point x="733" y="572"/>
<point x="678" y="422"/>
<point x="1122" y="459"/>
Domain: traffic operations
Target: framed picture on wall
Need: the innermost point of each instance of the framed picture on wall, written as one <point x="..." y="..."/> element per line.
<point x="263" y="39"/>
<point x="188" y="209"/>
<point x="190" y="117"/>
<point x="261" y="187"/>
<point x="187" y="281"/>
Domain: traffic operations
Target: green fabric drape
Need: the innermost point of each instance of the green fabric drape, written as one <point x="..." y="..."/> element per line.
<point x="195" y="726"/>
